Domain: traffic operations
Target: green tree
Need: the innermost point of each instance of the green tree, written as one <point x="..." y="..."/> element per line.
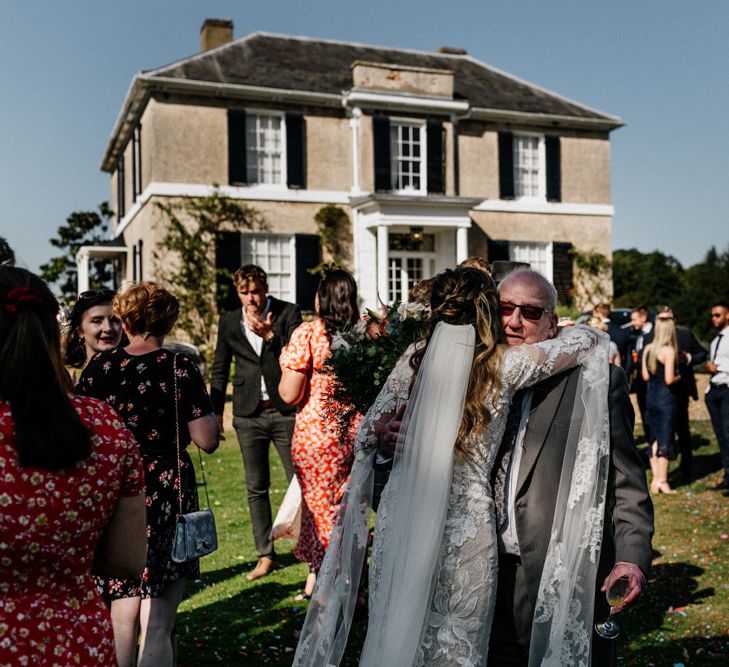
<point x="645" y="278"/>
<point x="81" y="228"/>
<point x="185" y="258"/>
<point x="332" y="223"/>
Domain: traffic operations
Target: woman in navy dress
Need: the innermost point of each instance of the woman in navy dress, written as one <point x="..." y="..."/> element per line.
<point x="660" y="371"/>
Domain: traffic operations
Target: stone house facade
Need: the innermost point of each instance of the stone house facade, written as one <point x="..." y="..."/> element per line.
<point x="433" y="157"/>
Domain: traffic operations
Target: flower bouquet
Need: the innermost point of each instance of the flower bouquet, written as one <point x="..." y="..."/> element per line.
<point x="364" y="355"/>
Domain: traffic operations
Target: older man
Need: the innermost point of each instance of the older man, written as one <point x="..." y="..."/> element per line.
<point x="525" y="488"/>
<point x="527" y="476"/>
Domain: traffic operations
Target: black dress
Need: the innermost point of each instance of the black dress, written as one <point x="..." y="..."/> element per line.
<point x="140" y="389"/>
<point x="661" y="412"/>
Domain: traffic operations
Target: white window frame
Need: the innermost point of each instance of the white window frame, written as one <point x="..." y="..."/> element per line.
<point x="429" y="268"/>
<point x="395" y="157"/>
<point x="282" y="185"/>
<point x="248" y="257"/>
<point x="519" y="252"/>
<point x="541" y="194"/>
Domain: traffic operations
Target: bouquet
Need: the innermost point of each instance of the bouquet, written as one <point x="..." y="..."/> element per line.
<point x="363" y="356"/>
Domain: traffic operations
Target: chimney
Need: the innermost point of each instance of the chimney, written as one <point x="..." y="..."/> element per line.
<point x="452" y="51"/>
<point x="215" y="32"/>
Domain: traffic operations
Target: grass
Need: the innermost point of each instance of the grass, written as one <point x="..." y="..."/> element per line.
<point x="682" y="616"/>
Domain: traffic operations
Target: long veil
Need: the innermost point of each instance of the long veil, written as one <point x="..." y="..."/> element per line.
<point x="419" y="490"/>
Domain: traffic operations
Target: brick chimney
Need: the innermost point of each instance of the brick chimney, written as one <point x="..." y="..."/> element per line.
<point x="215" y="32"/>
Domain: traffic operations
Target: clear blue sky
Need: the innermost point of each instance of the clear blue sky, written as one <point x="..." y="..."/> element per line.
<point x="65" y="68"/>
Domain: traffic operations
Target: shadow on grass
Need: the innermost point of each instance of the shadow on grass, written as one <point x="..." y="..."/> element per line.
<point x="705" y="651"/>
<point x="211" y="577"/>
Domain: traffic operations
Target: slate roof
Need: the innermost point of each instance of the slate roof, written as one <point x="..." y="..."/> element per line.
<point x="324" y="66"/>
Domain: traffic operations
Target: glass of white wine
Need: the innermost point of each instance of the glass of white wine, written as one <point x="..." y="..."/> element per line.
<point x="610" y="628"/>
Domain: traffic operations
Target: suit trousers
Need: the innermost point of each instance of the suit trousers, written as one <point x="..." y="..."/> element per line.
<point x="683" y="432"/>
<point x="255" y="434"/>
<point x="717" y="402"/>
<point x="511" y="632"/>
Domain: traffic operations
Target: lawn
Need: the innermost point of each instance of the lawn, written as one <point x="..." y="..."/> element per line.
<point x="682" y="616"/>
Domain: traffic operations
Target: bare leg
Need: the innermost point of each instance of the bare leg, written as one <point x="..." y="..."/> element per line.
<point x="662" y="466"/>
<point x="125" y="621"/>
<point x="158" y="624"/>
<point x="655" y="476"/>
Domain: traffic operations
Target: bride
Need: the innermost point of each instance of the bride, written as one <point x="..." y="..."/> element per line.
<point x="434" y="556"/>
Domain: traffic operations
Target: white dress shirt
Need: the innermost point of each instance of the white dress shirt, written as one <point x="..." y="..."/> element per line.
<point x="256" y="343"/>
<point x="508" y="540"/>
<point x="719" y="355"/>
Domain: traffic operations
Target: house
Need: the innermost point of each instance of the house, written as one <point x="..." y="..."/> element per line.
<point x="433" y="157"/>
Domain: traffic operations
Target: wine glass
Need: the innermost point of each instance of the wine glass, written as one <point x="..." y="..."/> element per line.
<point x="610" y="628"/>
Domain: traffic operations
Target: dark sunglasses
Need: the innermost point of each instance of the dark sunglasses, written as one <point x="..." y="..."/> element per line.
<point x="531" y="313"/>
<point x="97" y="294"/>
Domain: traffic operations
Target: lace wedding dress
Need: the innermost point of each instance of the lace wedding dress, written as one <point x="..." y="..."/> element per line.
<point x="434" y="556"/>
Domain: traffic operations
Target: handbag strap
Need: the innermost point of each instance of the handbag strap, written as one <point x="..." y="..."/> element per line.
<point x="177" y="443"/>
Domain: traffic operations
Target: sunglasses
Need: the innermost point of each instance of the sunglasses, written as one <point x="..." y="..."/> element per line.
<point x="669" y="318"/>
<point x="531" y="313"/>
<point x="97" y="294"/>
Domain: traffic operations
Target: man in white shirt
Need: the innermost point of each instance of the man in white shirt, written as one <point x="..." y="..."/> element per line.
<point x="717" y="394"/>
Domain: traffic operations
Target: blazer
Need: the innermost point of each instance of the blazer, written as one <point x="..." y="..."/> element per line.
<point x="687" y="342"/>
<point x="628" y="527"/>
<point x="232" y="344"/>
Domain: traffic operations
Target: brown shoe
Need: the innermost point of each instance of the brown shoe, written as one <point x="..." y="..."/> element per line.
<point x="263" y="567"/>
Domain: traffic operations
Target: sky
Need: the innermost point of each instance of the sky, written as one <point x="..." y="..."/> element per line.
<point x="65" y="69"/>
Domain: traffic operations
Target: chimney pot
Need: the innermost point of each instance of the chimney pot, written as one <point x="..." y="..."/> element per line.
<point x="215" y="32"/>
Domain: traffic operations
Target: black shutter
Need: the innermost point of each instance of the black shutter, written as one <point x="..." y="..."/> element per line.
<point x="227" y="260"/>
<point x="308" y="255"/>
<point x="436" y="162"/>
<point x="381" y="133"/>
<point x="120" y="195"/>
<point x="498" y="250"/>
<point x="506" y="165"/>
<point x="554" y="172"/>
<point x="562" y="271"/>
<point x="295" y="150"/>
<point x="236" y="146"/>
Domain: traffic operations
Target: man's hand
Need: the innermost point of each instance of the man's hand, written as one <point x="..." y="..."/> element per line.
<point x="635" y="582"/>
<point x="388" y="438"/>
<point x="712" y="367"/>
<point x="261" y="327"/>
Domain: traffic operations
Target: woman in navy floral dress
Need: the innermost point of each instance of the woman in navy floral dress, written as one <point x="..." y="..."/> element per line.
<point x="138" y="382"/>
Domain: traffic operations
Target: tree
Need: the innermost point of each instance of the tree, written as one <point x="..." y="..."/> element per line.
<point x="81" y="228"/>
<point x="645" y="278"/>
<point x="332" y="222"/>
<point x="185" y="258"/>
<point x="591" y="278"/>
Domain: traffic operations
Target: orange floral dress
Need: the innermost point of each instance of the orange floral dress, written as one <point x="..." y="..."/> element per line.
<point x="322" y="456"/>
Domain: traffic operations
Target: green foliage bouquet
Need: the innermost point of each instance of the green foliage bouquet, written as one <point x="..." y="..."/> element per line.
<point x="364" y="355"/>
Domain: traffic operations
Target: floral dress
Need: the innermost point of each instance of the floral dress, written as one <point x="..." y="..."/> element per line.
<point x="51" y="522"/>
<point x="321" y="454"/>
<point x="140" y="388"/>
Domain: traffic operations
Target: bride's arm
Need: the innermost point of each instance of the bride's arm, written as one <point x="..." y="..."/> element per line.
<point x="525" y="365"/>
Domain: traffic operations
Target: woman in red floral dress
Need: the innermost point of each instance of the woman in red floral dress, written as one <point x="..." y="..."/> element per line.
<point x="321" y="453"/>
<point x="71" y="493"/>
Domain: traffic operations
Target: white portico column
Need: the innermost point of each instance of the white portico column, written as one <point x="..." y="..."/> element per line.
<point x="82" y="270"/>
<point x="461" y="244"/>
<point x="383" y="247"/>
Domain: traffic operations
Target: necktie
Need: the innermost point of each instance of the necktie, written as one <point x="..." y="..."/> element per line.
<point x="503" y="458"/>
<point x="716" y="347"/>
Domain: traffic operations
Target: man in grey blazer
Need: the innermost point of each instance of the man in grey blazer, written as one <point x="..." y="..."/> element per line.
<point x="526" y="479"/>
<point x="254" y="336"/>
<point x="527" y="475"/>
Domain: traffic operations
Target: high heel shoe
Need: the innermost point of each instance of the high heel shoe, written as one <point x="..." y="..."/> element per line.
<point x="655" y="488"/>
<point x="663" y="487"/>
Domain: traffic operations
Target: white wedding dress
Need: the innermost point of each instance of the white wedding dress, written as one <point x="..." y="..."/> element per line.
<point x="434" y="556"/>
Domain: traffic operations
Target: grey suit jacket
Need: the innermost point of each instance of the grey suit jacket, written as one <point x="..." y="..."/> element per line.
<point x="249" y="367"/>
<point x="629" y="511"/>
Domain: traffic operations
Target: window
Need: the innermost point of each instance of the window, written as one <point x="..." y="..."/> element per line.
<point x="528" y="166"/>
<point x="120" y="201"/>
<point x="273" y="253"/>
<point x="409" y="264"/>
<point x="264" y="149"/>
<point x="537" y="255"/>
<point x="408" y="150"/>
<point x="136" y="162"/>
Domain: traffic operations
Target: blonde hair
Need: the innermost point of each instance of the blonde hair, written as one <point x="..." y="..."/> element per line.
<point x="664" y="334"/>
<point x="597" y="323"/>
<point x="147" y="308"/>
<point x="468" y="296"/>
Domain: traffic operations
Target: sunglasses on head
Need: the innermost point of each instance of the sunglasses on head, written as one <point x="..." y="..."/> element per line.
<point x="531" y="313"/>
<point x="97" y="294"/>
